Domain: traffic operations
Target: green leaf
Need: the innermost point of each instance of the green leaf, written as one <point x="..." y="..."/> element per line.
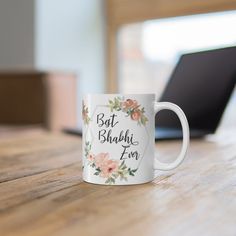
<point x="110" y="180"/>
<point x="115" y="175"/>
<point x="124" y="167"/>
<point x="122" y="163"/>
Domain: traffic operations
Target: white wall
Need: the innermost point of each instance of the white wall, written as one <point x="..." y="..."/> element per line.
<point x="70" y="36"/>
<point x="55" y="35"/>
<point x="17" y="34"/>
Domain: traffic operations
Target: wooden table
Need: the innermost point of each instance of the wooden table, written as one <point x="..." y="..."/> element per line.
<point x="42" y="192"/>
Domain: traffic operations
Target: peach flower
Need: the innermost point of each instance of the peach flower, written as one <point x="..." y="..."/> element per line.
<point x="108" y="168"/>
<point x="129" y="103"/>
<point x="135" y="115"/>
<point x="90" y="157"/>
<point x="101" y="159"/>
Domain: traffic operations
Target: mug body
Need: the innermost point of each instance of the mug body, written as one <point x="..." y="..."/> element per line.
<point x="118" y="138"/>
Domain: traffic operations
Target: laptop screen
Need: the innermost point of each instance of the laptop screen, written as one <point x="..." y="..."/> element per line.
<point x="201" y="85"/>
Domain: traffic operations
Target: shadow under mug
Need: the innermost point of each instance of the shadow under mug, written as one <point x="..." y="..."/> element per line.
<point x="119" y="138"/>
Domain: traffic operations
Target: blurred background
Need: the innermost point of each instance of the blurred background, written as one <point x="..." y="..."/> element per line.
<point x="52" y="52"/>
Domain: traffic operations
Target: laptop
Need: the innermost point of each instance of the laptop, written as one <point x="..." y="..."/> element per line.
<point x="201" y="84"/>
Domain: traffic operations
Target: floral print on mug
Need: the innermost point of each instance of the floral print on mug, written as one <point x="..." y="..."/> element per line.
<point x="85" y="115"/>
<point x="130" y="107"/>
<point x="107" y="168"/>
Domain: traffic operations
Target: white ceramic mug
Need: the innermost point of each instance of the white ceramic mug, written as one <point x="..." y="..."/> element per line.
<point x="118" y="138"/>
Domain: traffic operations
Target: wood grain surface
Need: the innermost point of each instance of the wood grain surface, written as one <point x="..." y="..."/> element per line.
<point x="42" y="192"/>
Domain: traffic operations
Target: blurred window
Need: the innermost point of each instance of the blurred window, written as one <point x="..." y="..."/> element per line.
<point x="148" y="51"/>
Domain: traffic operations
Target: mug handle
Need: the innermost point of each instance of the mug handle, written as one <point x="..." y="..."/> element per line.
<point x="158" y="106"/>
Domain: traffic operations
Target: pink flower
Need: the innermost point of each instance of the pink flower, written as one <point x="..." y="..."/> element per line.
<point x="108" y="168"/>
<point x="129" y="104"/>
<point x="101" y="159"/>
<point x="135" y="115"/>
<point x="90" y="157"/>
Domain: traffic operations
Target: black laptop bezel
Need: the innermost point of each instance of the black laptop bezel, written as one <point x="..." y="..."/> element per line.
<point x="224" y="101"/>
